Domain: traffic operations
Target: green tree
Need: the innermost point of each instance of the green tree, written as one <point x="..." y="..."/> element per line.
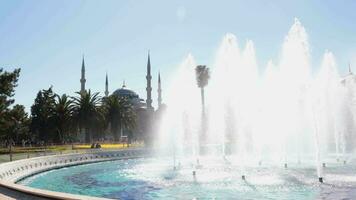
<point x="18" y="124"/>
<point x="120" y="114"/>
<point x="202" y="76"/>
<point x="112" y="107"/>
<point x="100" y="123"/>
<point x="42" y="112"/>
<point x="87" y="112"/>
<point x="63" y="118"/>
<point x="8" y="82"/>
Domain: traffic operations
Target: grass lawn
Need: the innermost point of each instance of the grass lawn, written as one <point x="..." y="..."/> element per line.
<point x="35" y="149"/>
<point x="107" y="146"/>
<point x="29" y="152"/>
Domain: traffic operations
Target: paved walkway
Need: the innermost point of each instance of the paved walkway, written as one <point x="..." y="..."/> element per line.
<point x="5" y="197"/>
<point x="8" y="194"/>
<point x="18" y="156"/>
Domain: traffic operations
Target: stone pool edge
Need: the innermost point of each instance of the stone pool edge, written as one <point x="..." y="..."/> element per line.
<point x="12" y="172"/>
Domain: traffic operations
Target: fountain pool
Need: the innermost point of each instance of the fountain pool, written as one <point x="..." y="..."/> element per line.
<point x="154" y="178"/>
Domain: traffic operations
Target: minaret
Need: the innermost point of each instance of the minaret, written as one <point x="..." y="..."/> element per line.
<point x="106" y="85"/>
<point x="159" y="90"/>
<point x="82" y="80"/>
<point x="149" y="88"/>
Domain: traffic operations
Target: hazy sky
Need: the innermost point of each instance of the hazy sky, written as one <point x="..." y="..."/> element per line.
<point x="47" y="38"/>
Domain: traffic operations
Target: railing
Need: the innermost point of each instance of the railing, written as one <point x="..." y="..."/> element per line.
<point x="18" y="153"/>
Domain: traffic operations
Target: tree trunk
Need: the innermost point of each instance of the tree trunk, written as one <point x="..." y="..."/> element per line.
<point x="10" y="152"/>
<point x="115" y="135"/>
<point x="119" y="132"/>
<point x="87" y="135"/>
<point x="203" y="117"/>
<point x="202" y="100"/>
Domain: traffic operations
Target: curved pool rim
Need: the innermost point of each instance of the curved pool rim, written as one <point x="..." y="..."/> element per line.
<point x="13" y="172"/>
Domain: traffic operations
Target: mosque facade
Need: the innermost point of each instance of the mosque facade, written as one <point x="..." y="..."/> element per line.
<point x="146" y="113"/>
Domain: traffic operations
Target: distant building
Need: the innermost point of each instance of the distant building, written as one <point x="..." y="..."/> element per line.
<point x="82" y="79"/>
<point x="144" y="109"/>
<point x="136" y="101"/>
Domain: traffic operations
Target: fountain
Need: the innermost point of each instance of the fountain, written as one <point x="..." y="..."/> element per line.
<point x="278" y="116"/>
<point x="292" y="118"/>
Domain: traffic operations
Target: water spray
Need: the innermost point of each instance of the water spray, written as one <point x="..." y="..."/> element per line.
<point x="317" y="145"/>
<point x="198" y="165"/>
<point x="224" y="159"/>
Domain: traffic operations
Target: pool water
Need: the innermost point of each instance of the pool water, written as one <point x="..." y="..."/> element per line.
<point x="156" y="179"/>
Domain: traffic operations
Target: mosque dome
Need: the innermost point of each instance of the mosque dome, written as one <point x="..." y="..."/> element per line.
<point x="129" y="94"/>
<point x="124" y="92"/>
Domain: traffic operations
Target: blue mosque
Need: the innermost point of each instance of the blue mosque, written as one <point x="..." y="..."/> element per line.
<point x="146" y="113"/>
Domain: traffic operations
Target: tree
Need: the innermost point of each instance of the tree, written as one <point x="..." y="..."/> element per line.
<point x="63" y="117"/>
<point x="112" y="107"/>
<point x="121" y="115"/>
<point x="17" y="124"/>
<point x="42" y="112"/>
<point x="99" y="124"/>
<point x="87" y="112"/>
<point x="202" y="77"/>
<point x="8" y="82"/>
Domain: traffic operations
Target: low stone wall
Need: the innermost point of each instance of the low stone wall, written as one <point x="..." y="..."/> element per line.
<point x="12" y="172"/>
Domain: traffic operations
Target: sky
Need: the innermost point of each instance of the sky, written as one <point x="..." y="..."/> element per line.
<point x="47" y="39"/>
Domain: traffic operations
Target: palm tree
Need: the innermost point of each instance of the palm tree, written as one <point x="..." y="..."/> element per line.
<point x="120" y="114"/>
<point x="202" y="76"/>
<point x="63" y="117"/>
<point x="87" y="112"/>
<point x="111" y="106"/>
<point x="99" y="125"/>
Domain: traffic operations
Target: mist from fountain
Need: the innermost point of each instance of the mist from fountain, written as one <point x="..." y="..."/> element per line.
<point x="179" y="127"/>
<point x="281" y="115"/>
